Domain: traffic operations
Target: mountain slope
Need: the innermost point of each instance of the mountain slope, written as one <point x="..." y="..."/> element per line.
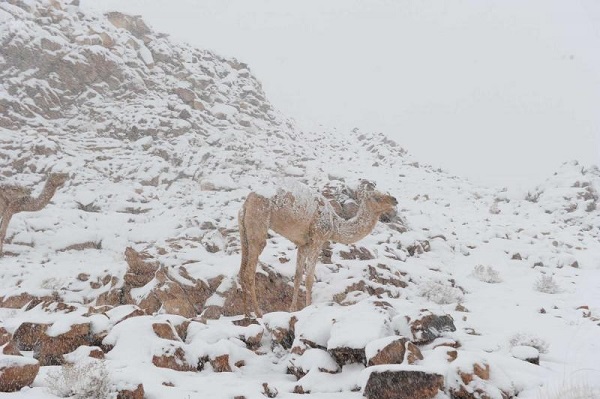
<point x="163" y="142"/>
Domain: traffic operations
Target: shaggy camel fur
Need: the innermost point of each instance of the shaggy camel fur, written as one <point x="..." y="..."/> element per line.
<point x="308" y="221"/>
<point x="15" y="199"/>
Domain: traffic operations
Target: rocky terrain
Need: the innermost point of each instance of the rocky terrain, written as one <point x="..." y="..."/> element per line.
<point x="126" y="286"/>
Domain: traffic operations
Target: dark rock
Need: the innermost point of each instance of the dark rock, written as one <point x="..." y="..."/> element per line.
<point x="430" y="326"/>
<point x="403" y="384"/>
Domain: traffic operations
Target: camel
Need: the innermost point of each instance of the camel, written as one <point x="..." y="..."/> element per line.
<point x="309" y="221"/>
<point x="15" y="199"/>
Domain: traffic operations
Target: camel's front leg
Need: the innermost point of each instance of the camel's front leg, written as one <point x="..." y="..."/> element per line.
<point x="311" y="263"/>
<point x="8" y="213"/>
<point x="300" y="269"/>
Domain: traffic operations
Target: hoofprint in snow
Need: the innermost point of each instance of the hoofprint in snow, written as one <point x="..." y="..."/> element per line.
<point x="163" y="142"/>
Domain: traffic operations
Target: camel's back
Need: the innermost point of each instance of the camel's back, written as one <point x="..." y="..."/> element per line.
<point x="293" y="211"/>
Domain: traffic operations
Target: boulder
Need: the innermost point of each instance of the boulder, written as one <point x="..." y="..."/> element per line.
<point x="165" y="331"/>
<point x="392" y="350"/>
<point x="526" y="353"/>
<point x="17" y="372"/>
<point x="221" y="364"/>
<point x="51" y="348"/>
<point x="415" y="384"/>
<point x="312" y="359"/>
<point x="28" y="335"/>
<point x="429" y="326"/>
<point x="134" y="393"/>
<point x="281" y="327"/>
<point x="272" y="290"/>
<point x="174" y="358"/>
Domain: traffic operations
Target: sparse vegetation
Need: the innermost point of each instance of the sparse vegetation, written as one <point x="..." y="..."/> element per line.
<point x="487" y="274"/>
<point x="546" y="284"/>
<point x="524" y="339"/>
<point x="440" y="293"/>
<point x="85" y="380"/>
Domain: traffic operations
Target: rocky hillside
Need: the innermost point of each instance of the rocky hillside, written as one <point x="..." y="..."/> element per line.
<point x="128" y="278"/>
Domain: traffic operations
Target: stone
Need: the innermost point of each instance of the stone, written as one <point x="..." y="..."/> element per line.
<point x="392" y="353"/>
<point x="413" y="353"/>
<point x="19" y="301"/>
<point x="283" y="336"/>
<point x="131" y="23"/>
<point x="354" y="252"/>
<point x="17" y="372"/>
<point x="526" y="353"/>
<point x="164" y="331"/>
<point x="272" y="290"/>
<point x="346" y="355"/>
<point x="312" y="359"/>
<point x="385" y="384"/>
<point x="10" y="348"/>
<point x="187" y="95"/>
<point x="28" y="335"/>
<point x="174" y="360"/>
<point x="50" y="349"/>
<point x="137" y="393"/>
<point x="220" y="364"/>
<point x="429" y="326"/>
<point x="198" y="105"/>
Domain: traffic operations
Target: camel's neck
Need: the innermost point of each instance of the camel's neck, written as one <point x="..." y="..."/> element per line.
<point x="35" y="204"/>
<point x="361" y="225"/>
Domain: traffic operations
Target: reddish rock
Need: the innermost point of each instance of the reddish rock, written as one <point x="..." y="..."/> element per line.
<point x="28" y="335"/>
<point x="17" y="372"/>
<point x="18" y="301"/>
<point x="5" y="336"/>
<point x="413" y="353"/>
<point x="10" y="348"/>
<point x="97" y="353"/>
<point x="392" y="353"/>
<point x="137" y="393"/>
<point x="396" y="352"/>
<point x="480" y="373"/>
<point x="174" y="361"/>
<point x="50" y="349"/>
<point x="220" y="364"/>
<point x="186" y="95"/>
<point x="354" y="252"/>
<point x="272" y="290"/>
<point x="182" y="329"/>
<point x="345" y="355"/>
<point x="164" y="330"/>
<point x="415" y="385"/>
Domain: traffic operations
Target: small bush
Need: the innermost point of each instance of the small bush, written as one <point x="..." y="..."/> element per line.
<point x="487" y="274"/>
<point x="523" y="339"/>
<point x="86" y="380"/>
<point x="546" y="284"/>
<point x="440" y="293"/>
<point x="570" y="391"/>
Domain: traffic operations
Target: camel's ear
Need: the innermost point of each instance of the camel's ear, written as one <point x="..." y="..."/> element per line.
<point x="364" y="188"/>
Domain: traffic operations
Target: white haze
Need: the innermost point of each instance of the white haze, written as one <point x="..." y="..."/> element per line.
<point x="501" y="92"/>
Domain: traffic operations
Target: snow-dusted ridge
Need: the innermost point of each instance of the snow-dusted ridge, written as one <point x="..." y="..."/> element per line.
<point x="164" y="141"/>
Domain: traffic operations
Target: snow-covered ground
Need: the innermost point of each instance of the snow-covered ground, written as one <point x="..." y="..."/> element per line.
<point x="163" y="142"/>
<point x="485" y="80"/>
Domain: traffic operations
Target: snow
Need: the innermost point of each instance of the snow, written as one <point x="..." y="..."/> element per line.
<point x="15" y="361"/>
<point x="170" y="188"/>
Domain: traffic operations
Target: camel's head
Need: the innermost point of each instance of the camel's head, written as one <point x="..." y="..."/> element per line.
<point x="380" y="202"/>
<point x="57" y="179"/>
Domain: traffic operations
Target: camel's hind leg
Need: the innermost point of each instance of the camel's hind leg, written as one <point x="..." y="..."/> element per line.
<point x="254" y="226"/>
